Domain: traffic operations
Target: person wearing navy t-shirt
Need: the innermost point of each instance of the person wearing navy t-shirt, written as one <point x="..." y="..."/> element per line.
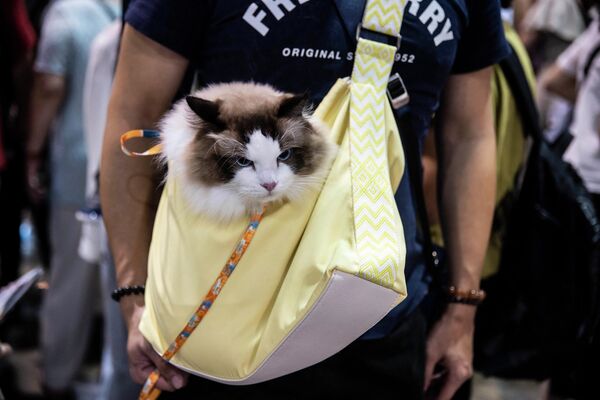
<point x="445" y="56"/>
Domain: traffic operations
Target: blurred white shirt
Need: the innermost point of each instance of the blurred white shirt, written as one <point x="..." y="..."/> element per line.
<point x="584" y="151"/>
<point x="563" y="18"/>
<point x="96" y="94"/>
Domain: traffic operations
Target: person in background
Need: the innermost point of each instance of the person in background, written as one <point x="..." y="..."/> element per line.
<point x="39" y="209"/>
<point x="17" y="41"/>
<point x="549" y="27"/>
<point x="93" y="246"/>
<point x="68" y="29"/>
<point x="575" y="76"/>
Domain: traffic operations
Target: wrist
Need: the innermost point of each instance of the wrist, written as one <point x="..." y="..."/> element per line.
<point x="460" y="313"/>
<point x="472" y="297"/>
<point x="465" y="278"/>
<point x="132" y="308"/>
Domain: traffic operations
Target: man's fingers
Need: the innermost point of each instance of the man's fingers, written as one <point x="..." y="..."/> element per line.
<point x="172" y="377"/>
<point x="457" y="375"/>
<point x="143" y="360"/>
<point x="143" y="372"/>
<point x="164" y="384"/>
<point x="430" y="363"/>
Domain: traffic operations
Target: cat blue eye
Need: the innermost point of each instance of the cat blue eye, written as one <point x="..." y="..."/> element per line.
<point x="285" y="155"/>
<point x="243" y="162"/>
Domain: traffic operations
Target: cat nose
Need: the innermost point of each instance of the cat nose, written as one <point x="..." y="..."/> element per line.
<point x="269" y="185"/>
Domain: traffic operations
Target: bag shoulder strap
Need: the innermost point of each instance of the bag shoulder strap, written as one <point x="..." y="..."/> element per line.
<point x="520" y="89"/>
<point x="517" y="80"/>
<point x="377" y="226"/>
<point x="384" y="16"/>
<point x="415" y="174"/>
<point x="372" y="21"/>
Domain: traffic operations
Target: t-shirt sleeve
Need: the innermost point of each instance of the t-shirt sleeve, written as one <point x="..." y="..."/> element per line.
<point x="178" y="25"/>
<point x="482" y="43"/>
<point x="55" y="44"/>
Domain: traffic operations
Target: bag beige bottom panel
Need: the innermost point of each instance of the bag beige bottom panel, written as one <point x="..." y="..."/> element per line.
<point x="348" y="307"/>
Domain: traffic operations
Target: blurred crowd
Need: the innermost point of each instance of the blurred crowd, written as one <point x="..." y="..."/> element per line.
<point x="57" y="64"/>
<point x="56" y="68"/>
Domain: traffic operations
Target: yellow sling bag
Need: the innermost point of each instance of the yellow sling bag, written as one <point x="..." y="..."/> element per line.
<point x="317" y="275"/>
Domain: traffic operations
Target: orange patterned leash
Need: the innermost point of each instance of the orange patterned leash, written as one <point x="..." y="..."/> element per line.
<point x="149" y="391"/>
<point x="140" y="133"/>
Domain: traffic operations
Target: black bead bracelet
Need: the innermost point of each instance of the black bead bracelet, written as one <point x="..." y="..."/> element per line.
<point x="127" y="291"/>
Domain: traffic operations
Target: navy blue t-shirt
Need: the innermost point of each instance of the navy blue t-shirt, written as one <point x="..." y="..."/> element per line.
<point x="305" y="45"/>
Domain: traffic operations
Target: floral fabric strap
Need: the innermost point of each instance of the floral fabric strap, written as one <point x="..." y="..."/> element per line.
<point x="149" y="390"/>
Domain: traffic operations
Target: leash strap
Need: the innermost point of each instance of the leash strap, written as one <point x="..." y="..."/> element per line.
<point x="140" y="133"/>
<point x="149" y="390"/>
<point x="376" y="229"/>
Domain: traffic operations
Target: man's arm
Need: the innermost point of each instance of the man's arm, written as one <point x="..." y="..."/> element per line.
<point x="47" y="95"/>
<point x="430" y="168"/>
<point x="468" y="180"/>
<point x="147" y="78"/>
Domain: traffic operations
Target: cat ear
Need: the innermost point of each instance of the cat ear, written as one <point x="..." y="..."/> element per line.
<point x="205" y="109"/>
<point x="292" y="105"/>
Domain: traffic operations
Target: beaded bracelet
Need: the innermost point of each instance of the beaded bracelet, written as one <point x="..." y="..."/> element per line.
<point x="472" y="297"/>
<point x="127" y="291"/>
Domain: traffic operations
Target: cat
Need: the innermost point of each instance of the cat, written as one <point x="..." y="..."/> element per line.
<point x="236" y="147"/>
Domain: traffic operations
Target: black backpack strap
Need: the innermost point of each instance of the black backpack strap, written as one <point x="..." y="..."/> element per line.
<point x="515" y="75"/>
<point x="415" y="174"/>
<point x="521" y="91"/>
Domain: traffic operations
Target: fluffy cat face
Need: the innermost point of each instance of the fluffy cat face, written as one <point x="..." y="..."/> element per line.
<point x="249" y="145"/>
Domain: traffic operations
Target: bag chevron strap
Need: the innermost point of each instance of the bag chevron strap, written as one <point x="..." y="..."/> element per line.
<point x="317" y="275"/>
<point x="384" y="16"/>
<point x="376" y="227"/>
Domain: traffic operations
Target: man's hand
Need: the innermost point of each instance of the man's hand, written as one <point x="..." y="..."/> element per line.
<point x="450" y="346"/>
<point x="142" y="357"/>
